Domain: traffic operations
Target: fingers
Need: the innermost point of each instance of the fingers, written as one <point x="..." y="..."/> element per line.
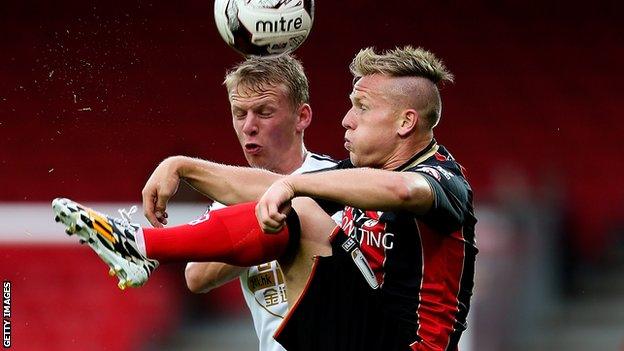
<point x="160" y="187"/>
<point x="267" y="225"/>
<point x="154" y="207"/>
<point x="273" y="206"/>
<point x="285" y="208"/>
<point x="270" y="220"/>
<point x="271" y="217"/>
<point x="162" y="217"/>
<point x="149" y="207"/>
<point x="160" y="208"/>
<point x="275" y="216"/>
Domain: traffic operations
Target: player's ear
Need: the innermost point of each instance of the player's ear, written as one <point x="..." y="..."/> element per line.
<point x="408" y="120"/>
<point x="304" y="117"/>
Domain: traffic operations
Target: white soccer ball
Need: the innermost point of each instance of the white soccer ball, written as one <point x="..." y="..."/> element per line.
<point x="264" y="27"/>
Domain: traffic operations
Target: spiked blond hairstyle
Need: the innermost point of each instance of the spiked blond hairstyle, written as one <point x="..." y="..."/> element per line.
<point x="256" y="73"/>
<point x="401" y="62"/>
<point x="406" y="62"/>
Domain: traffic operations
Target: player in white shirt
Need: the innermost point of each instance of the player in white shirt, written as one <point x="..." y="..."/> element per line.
<point x="262" y="286"/>
<point x="269" y="100"/>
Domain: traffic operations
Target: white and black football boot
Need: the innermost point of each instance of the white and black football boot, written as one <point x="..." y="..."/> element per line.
<point x="113" y="239"/>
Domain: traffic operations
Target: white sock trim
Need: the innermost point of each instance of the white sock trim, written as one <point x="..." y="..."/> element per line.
<point x="140" y="242"/>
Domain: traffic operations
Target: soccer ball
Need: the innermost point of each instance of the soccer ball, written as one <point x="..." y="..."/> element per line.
<point x="264" y="27"/>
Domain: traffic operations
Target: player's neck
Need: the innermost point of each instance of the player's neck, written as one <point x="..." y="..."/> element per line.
<point x="406" y="150"/>
<point x="291" y="161"/>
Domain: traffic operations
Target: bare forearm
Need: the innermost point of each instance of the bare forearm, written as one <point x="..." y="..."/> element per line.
<point x="223" y="183"/>
<point x="367" y="188"/>
<point x="202" y="277"/>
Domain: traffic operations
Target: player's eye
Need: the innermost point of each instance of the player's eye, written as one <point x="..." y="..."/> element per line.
<point x="239" y="114"/>
<point x="358" y="106"/>
<point x="265" y="113"/>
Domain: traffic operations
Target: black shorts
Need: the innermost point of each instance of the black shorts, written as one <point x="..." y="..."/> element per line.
<point x="339" y="310"/>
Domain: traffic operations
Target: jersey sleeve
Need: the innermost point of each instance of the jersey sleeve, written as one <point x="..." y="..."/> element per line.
<point x="451" y="197"/>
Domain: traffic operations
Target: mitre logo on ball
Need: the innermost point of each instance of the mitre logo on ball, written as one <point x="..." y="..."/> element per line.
<point x="264" y="27"/>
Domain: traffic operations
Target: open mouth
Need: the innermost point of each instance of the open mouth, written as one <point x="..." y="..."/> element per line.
<point x="252" y="148"/>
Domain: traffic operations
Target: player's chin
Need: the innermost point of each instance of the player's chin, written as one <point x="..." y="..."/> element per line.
<point x="254" y="160"/>
<point x="259" y="161"/>
<point x="355" y="160"/>
<point x="359" y="160"/>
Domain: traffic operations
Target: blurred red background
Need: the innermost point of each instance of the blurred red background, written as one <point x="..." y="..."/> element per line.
<point x="93" y="94"/>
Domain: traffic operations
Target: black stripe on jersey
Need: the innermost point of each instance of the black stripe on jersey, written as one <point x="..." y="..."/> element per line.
<point x="323" y="158"/>
<point x="344" y="164"/>
<point x="466" y="283"/>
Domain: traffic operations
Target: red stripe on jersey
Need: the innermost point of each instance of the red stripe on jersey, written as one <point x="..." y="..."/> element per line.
<point x="373" y="245"/>
<point x="376" y="258"/>
<point x="440" y="157"/>
<point x="367" y="229"/>
<point x="443" y="260"/>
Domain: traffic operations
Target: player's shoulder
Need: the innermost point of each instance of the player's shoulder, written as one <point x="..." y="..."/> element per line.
<point x="440" y="164"/>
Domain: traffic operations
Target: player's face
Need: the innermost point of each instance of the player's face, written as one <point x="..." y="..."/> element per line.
<point x="371" y="124"/>
<point x="267" y="128"/>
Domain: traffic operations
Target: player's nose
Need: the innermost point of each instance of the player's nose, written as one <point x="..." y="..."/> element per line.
<point x="250" y="127"/>
<point x="348" y="122"/>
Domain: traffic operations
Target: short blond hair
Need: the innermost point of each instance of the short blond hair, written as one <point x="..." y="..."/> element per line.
<point x="258" y="73"/>
<point x="407" y="62"/>
<point x="401" y="62"/>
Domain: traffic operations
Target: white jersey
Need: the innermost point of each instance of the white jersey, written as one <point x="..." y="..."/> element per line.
<point x="263" y="286"/>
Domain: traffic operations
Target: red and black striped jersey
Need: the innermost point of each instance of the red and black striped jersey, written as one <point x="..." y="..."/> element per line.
<point x="423" y="265"/>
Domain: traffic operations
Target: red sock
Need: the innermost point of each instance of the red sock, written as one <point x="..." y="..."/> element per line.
<point x="230" y="235"/>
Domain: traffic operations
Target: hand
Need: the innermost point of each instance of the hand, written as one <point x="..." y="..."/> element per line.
<point x="274" y="205"/>
<point x="160" y="187"/>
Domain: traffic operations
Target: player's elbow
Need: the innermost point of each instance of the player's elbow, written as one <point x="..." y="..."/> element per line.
<point x="195" y="279"/>
<point x="399" y="189"/>
<point x="411" y="192"/>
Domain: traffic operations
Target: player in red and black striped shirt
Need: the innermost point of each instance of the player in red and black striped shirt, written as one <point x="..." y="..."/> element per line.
<point x="418" y="289"/>
<point x="401" y="273"/>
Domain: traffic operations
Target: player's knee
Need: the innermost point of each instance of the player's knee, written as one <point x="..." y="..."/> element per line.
<point x="305" y="204"/>
<point x="194" y="279"/>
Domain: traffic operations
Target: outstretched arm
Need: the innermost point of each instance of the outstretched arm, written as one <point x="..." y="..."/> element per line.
<point x="226" y="184"/>
<point x="364" y="188"/>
